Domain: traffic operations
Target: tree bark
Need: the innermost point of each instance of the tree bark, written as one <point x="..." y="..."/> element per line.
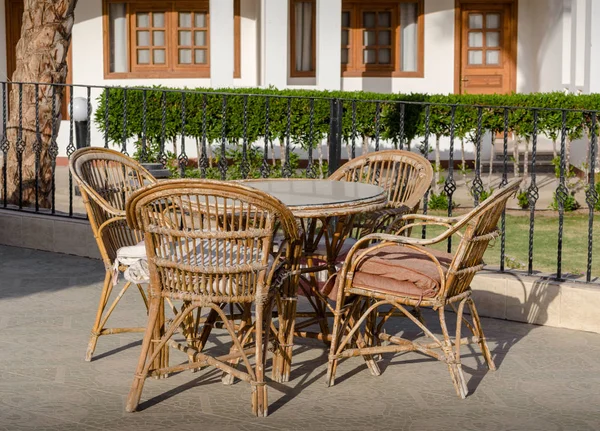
<point x="41" y="58"/>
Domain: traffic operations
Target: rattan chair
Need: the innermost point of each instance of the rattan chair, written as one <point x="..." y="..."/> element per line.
<point x="405" y="175"/>
<point x="106" y="178"/>
<point x="399" y="272"/>
<point x="209" y="244"/>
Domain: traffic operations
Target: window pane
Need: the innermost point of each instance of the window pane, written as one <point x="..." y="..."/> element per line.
<point x="475" y="39"/>
<point x="475" y="20"/>
<point x="200" y="19"/>
<point x="409" y="15"/>
<point x="384" y="19"/>
<point x="369" y="19"/>
<point x="345" y="37"/>
<point x="345" y="19"/>
<point x="158" y="19"/>
<point x="384" y="38"/>
<point x="385" y="56"/>
<point x="143" y="56"/>
<point x="185" y="19"/>
<point x="143" y="19"/>
<point x="200" y="56"/>
<point x="369" y="38"/>
<point x="492" y="39"/>
<point x="304" y="36"/>
<point x="185" y="56"/>
<point x="158" y="38"/>
<point x="344" y="55"/>
<point x="185" y="38"/>
<point x="492" y="20"/>
<point x="159" y="56"/>
<point x="369" y="56"/>
<point x="143" y="38"/>
<point x="200" y="38"/>
<point x="118" y="37"/>
<point x="492" y="57"/>
<point x="475" y="57"/>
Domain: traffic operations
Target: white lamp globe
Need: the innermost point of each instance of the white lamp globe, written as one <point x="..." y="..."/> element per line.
<point x="80" y="107"/>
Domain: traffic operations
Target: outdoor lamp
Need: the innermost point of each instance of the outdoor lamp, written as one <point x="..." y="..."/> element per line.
<point x="80" y="116"/>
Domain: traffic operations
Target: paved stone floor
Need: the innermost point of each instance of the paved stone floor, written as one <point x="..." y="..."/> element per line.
<point x="547" y="379"/>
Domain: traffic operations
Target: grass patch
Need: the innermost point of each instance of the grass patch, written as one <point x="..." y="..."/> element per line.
<point x="545" y="243"/>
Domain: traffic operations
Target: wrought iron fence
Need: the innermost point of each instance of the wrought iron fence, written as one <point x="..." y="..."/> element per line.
<point x="236" y="135"/>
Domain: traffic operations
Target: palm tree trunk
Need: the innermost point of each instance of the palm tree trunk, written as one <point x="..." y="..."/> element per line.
<point x="492" y="157"/>
<point x="437" y="164"/>
<point x="516" y="155"/>
<point x="463" y="166"/>
<point x="526" y="159"/>
<point x="41" y="58"/>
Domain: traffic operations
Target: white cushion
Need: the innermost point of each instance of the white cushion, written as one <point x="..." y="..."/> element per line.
<point x="134" y="257"/>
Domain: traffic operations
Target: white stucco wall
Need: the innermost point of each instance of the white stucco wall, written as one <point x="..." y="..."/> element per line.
<point x="548" y="55"/>
<point x="539" y="46"/>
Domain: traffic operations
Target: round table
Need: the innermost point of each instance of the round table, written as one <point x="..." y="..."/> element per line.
<point x="326" y="211"/>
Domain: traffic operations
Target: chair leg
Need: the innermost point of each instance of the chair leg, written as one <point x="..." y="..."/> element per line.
<point x="139" y="378"/>
<point x="370" y="338"/>
<point x="335" y="339"/>
<point x="106" y="289"/>
<point x="481" y="337"/>
<point x="454" y="365"/>
<point x="259" y="387"/>
<point x="245" y="326"/>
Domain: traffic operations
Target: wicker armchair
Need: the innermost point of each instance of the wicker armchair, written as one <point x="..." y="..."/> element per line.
<point x="209" y="244"/>
<point x="400" y="272"/>
<point x="405" y="176"/>
<point x="106" y="179"/>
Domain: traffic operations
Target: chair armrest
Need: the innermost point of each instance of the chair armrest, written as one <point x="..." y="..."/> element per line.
<point x="426" y="217"/>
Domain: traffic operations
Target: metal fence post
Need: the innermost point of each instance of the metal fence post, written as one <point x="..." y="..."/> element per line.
<point x="335" y="135"/>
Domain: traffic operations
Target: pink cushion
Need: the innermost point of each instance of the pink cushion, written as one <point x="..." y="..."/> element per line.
<point x="397" y="270"/>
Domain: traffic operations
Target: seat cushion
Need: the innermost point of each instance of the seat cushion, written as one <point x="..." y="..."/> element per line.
<point x="402" y="271"/>
<point x="219" y="254"/>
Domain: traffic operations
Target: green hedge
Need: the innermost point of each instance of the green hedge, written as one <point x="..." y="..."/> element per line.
<point x="361" y="106"/>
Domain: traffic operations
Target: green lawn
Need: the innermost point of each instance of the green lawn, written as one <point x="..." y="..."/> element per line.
<point x="545" y="243"/>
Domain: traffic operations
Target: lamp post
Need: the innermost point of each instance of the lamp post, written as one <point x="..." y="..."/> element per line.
<point x="80" y="117"/>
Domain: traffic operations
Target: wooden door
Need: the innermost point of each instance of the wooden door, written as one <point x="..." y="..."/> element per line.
<point x="486" y="48"/>
<point x="14" y="19"/>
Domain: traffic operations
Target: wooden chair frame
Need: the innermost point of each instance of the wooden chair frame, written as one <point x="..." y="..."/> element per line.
<point x="349" y="339"/>
<point x="406" y="177"/>
<point x="219" y="217"/>
<point x="106" y="178"/>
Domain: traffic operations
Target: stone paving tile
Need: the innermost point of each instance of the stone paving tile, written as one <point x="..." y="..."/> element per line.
<point x="547" y="379"/>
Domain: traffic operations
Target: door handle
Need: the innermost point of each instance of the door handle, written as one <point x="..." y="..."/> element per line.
<point x="464" y="79"/>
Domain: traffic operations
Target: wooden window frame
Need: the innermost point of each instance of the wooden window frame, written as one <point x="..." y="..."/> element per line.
<point x="355" y="66"/>
<point x="172" y="69"/>
<point x="292" y="14"/>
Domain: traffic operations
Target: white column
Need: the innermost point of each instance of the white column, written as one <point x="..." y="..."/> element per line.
<point x="594" y="72"/>
<point x="221" y="43"/>
<point x="275" y="37"/>
<point x="329" y="41"/>
<point x="581" y="14"/>
<point x="567" y="43"/>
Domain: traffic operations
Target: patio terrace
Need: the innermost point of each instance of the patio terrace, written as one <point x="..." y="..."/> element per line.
<point x="547" y="378"/>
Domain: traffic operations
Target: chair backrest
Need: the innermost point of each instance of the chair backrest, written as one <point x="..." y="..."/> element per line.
<point x="481" y="227"/>
<point x="212" y="240"/>
<point x="405" y="176"/>
<point x="106" y="179"/>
